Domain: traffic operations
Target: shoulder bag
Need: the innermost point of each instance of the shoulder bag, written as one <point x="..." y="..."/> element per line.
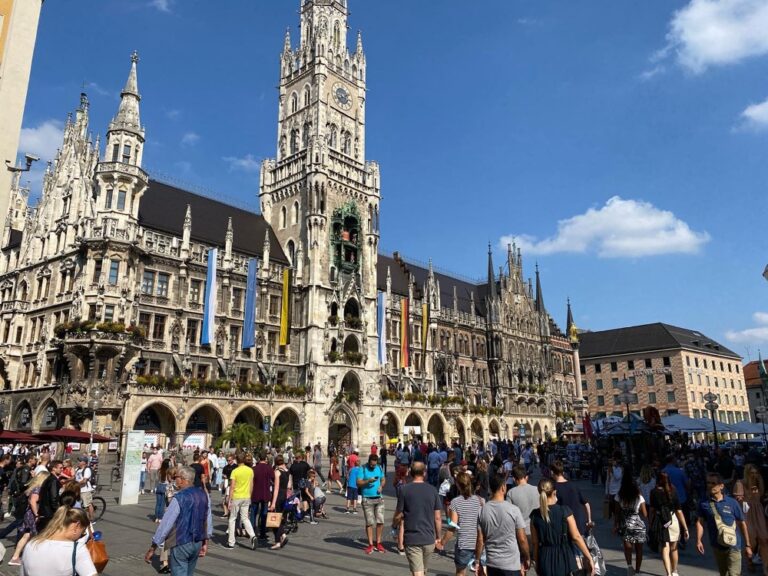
<point x="726" y="535"/>
<point x="98" y="551"/>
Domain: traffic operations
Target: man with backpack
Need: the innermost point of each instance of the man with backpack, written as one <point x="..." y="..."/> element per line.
<point x="84" y="477"/>
<point x="17" y="499"/>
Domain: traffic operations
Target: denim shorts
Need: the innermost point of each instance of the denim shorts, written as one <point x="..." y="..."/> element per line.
<point x="351" y="494"/>
<point x="462" y="557"/>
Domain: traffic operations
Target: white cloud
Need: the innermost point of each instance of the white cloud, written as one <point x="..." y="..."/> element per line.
<point x="97" y="89"/>
<point x="621" y="228"/>
<point x="755" y="116"/>
<point x="708" y="33"/>
<point x="646" y="75"/>
<point x="42" y="140"/>
<point x="190" y="139"/>
<point x="246" y="164"/>
<point x="162" y="5"/>
<point x="749" y="335"/>
<point x="173" y="113"/>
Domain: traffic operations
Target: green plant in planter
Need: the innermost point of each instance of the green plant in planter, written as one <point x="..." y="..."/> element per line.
<point x="333" y="320"/>
<point x="333" y="356"/>
<point x="353" y="357"/>
<point x="353" y="322"/>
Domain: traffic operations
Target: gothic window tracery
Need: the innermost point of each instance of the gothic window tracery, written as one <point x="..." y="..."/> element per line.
<point x="294" y="141"/>
<point x="307" y="95"/>
<point x="295" y="213"/>
<point x="282" y="217"/>
<point x="291" y="246"/>
<point x="333" y="136"/>
<point x="294" y="103"/>
<point x="346" y="146"/>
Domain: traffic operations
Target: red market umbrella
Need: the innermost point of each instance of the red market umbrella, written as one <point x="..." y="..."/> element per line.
<point x="10" y="436"/>
<point x="71" y="435"/>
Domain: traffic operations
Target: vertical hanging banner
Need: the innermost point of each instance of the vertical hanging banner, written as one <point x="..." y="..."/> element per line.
<point x="285" y="313"/>
<point x="249" y="321"/>
<point x="207" y="335"/>
<point x="382" y="319"/>
<point x="405" y="345"/>
<point x="425" y="319"/>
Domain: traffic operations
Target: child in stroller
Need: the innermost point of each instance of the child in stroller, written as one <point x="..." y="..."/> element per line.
<point x="292" y="513"/>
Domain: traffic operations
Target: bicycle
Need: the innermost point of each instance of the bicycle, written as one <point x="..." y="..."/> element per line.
<point x="99" y="505"/>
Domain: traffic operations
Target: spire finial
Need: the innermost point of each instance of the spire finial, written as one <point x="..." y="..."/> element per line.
<point x="359" y="42"/>
<point x="287" y="41"/>
<point x="135" y="57"/>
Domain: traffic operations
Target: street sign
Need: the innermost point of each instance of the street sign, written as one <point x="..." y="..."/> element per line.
<point x="267" y="423"/>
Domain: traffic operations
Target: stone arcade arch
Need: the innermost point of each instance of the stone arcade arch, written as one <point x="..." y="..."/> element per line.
<point x="341" y="428"/>
<point x="204" y="425"/>
<point x="390" y="430"/>
<point x="461" y="432"/>
<point x="48" y="417"/>
<point x="436" y="429"/>
<point x="478" y="434"/>
<point x="494" y="429"/>
<point x="413" y="427"/>
<point x="158" y="422"/>
<point x="290" y="419"/>
<point x="537" y="431"/>
<point x="22" y="419"/>
<point x="250" y="415"/>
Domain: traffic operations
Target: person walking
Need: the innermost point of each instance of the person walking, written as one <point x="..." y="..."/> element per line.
<point x="317" y="462"/>
<point x="352" y="491"/>
<point x="501" y="532"/>
<point x="554" y="534"/>
<point x="666" y="521"/>
<point x="757" y="523"/>
<point x="418" y="512"/>
<point x="569" y="494"/>
<point x="154" y="461"/>
<point x="334" y="475"/>
<point x="724" y="521"/>
<point x="83" y="476"/>
<point x="371" y="482"/>
<point x="240" y="489"/>
<point x="189" y="514"/>
<point x="628" y="522"/>
<point x="612" y="484"/>
<point x="60" y="550"/>
<point x="464" y="510"/>
<point x="261" y="495"/>
<point x="523" y="495"/>
<point x="161" y="489"/>
<point x="49" y="495"/>
<point x="283" y="481"/>
<point x="682" y="487"/>
<point x="29" y="525"/>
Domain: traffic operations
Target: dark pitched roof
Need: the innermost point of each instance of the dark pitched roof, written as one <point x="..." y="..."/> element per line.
<point x="163" y="207"/>
<point x="646" y="338"/>
<point x="401" y="270"/>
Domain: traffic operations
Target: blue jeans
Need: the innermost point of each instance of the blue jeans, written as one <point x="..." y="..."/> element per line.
<point x="159" y="505"/>
<point x="433" y="475"/>
<point x="259" y="508"/>
<point x="183" y="559"/>
<point x="142" y="480"/>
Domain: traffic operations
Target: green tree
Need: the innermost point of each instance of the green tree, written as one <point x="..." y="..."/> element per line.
<point x="241" y="435"/>
<point x="280" y="435"/>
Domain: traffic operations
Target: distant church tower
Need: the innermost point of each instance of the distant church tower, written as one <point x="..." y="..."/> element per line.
<point x="322" y="197"/>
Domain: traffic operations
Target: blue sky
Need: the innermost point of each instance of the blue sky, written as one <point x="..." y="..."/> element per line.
<point x="621" y="143"/>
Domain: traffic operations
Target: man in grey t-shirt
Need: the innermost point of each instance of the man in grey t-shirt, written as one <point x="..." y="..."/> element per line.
<point x="501" y="531"/>
<point x="524" y="496"/>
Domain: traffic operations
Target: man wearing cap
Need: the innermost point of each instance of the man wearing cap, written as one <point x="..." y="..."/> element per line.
<point x="83" y="477"/>
<point x="370" y="482"/>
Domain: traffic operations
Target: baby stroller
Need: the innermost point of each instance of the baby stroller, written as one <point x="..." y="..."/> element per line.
<point x="292" y="514"/>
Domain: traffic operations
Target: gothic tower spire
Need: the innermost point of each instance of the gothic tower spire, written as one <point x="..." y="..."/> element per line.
<point x="491" y="277"/>
<point x="539" y="294"/>
<point x="569" y="322"/>
<point x="127" y="117"/>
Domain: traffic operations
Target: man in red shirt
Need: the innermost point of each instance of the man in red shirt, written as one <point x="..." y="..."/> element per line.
<point x="353" y="460"/>
<point x="374" y="449"/>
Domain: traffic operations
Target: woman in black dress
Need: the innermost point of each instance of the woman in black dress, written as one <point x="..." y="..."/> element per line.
<point x="553" y="531"/>
<point x="280" y="488"/>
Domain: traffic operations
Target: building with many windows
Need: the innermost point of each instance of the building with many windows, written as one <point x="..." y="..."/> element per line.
<point x="671" y="368"/>
<point x="102" y="292"/>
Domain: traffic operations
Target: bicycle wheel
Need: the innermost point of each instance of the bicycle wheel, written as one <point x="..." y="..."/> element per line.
<point x="99" y="506"/>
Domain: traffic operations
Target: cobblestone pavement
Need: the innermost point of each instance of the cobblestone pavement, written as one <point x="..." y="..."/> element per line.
<point x="333" y="546"/>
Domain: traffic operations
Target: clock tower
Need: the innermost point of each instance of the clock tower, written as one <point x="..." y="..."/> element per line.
<point x="321" y="197"/>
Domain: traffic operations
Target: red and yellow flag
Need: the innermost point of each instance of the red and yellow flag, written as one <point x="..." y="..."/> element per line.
<point x="405" y="345"/>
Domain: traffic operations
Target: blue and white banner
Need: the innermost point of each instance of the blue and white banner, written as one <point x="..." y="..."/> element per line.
<point x="382" y="328"/>
<point x="209" y="312"/>
<point x="249" y="322"/>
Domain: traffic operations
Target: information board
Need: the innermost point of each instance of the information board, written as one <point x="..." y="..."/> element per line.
<point x="131" y="471"/>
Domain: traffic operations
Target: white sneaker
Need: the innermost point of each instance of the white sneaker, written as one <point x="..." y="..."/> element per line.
<point x="675" y="574"/>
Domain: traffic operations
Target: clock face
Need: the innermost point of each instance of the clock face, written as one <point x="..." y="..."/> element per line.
<point x="342" y="96"/>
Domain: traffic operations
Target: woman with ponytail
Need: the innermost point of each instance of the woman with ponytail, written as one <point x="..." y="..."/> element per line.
<point x="553" y="535"/>
<point x="666" y="521"/>
<point x="628" y="522"/>
<point x="60" y="550"/>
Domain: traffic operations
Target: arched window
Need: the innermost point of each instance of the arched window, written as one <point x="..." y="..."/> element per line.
<point x="282" y="217"/>
<point x="336" y="34"/>
<point x="346" y="66"/>
<point x="294" y="141"/>
<point x="295" y="213"/>
<point x="307" y="95"/>
<point x="333" y="136"/>
<point x="291" y="251"/>
<point x="294" y="103"/>
<point x="305" y="135"/>
<point x="346" y="146"/>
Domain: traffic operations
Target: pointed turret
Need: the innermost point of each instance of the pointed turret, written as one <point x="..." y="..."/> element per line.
<point x="186" y="234"/>
<point x="491" y="277"/>
<point x="265" y="252"/>
<point x="539" y="294"/>
<point x="569" y="321"/>
<point x="287" y="41"/>
<point x="359" y="49"/>
<point x="127" y="117"/>
<point x="228" y="240"/>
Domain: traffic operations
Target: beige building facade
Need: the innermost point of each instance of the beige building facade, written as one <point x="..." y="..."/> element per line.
<point x="18" y="31"/>
<point x="672" y="369"/>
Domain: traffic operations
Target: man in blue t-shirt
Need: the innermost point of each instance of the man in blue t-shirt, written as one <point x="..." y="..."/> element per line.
<point x="370" y="482"/>
<point x="728" y="558"/>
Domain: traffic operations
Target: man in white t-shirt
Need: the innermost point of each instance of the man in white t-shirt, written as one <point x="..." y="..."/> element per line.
<point x="83" y="477"/>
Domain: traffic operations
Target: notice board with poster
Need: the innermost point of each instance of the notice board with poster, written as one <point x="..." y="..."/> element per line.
<point x="134" y="446"/>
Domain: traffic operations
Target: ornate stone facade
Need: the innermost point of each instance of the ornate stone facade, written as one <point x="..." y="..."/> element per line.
<point x="102" y="292"/>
